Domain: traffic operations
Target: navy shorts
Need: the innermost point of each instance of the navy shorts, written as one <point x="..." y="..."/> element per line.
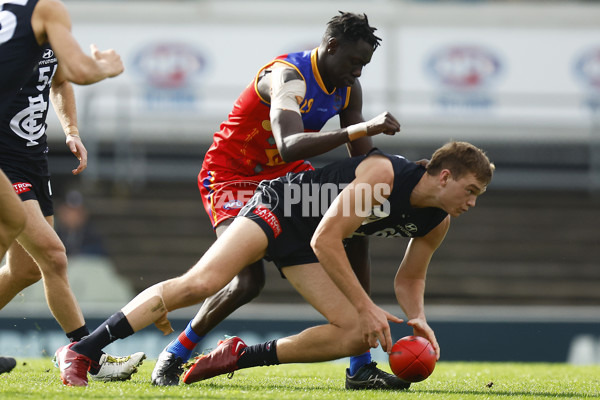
<point x="289" y="238"/>
<point x="31" y="181"/>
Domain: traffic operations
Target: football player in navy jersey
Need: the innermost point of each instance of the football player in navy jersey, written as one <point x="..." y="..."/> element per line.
<point x="30" y="77"/>
<point x="377" y="194"/>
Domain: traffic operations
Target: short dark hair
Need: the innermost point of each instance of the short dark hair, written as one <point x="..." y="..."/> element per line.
<point x="462" y="158"/>
<point x="352" y="27"/>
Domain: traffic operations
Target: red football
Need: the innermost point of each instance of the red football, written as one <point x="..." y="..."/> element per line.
<point x="412" y="359"/>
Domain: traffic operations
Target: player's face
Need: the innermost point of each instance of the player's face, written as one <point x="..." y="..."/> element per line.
<point x="347" y="62"/>
<point x="461" y="194"/>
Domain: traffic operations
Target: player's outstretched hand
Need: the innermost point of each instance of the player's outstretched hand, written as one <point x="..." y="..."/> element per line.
<point x="383" y="123"/>
<point x="422" y="328"/>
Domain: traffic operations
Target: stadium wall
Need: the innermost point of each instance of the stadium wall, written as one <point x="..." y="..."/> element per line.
<point x="498" y="334"/>
<point x="499" y="74"/>
<point x="488" y="71"/>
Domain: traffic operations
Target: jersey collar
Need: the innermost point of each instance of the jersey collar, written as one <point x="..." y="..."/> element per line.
<point x="316" y="73"/>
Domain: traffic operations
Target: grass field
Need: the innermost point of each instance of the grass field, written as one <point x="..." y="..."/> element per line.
<point x="39" y="379"/>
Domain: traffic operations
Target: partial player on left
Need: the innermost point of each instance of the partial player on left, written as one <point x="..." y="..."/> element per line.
<point x="40" y="59"/>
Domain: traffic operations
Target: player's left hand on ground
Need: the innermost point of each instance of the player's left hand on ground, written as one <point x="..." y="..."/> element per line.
<point x="79" y="150"/>
<point x="422" y="328"/>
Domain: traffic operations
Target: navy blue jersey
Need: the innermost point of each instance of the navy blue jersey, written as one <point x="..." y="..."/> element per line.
<point x="289" y="209"/>
<point x="303" y="198"/>
<point x="19" y="51"/>
<point x="23" y="125"/>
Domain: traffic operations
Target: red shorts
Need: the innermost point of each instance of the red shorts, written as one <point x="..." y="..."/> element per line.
<point x="224" y="194"/>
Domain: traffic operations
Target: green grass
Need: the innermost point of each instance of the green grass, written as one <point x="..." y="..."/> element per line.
<point x="38" y="379"/>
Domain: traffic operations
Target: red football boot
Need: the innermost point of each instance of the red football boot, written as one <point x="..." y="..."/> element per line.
<point x="73" y="366"/>
<point x="221" y="360"/>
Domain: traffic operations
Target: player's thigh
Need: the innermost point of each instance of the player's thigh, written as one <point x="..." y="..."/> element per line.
<point x="12" y="214"/>
<point x="242" y="244"/>
<point x="39" y="237"/>
<point x="317" y="288"/>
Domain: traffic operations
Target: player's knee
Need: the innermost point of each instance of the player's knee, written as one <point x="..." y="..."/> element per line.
<point x="355" y="343"/>
<point x="56" y="260"/>
<point x="28" y="277"/>
<point x="349" y="337"/>
<point x="246" y="287"/>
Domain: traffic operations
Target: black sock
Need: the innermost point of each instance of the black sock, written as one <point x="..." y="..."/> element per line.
<point x="78" y="334"/>
<point x="259" y="355"/>
<point x="116" y="327"/>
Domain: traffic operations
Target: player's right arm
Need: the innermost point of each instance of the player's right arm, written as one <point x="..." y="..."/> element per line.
<point x="51" y="23"/>
<point x="343" y="217"/>
<point x="287" y="92"/>
<point x="409" y="283"/>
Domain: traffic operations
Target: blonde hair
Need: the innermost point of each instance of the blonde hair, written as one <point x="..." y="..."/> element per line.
<point x="462" y="158"/>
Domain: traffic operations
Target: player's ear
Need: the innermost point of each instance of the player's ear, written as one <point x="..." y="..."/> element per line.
<point x="332" y="45"/>
<point x="444" y="176"/>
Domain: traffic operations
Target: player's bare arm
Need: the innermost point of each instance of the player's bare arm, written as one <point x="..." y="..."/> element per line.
<point x="51" y="23"/>
<point x="409" y="284"/>
<point x="343" y="217"/>
<point x="62" y="97"/>
<point x="295" y="144"/>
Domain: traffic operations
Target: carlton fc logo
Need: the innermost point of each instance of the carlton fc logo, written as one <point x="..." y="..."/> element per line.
<point x="169" y="65"/>
<point x="466" y="67"/>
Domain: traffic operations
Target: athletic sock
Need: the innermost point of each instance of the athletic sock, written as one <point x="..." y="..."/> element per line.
<point x="78" y="334"/>
<point x="259" y="355"/>
<point x="358" y="361"/>
<point x="185" y="343"/>
<point x="115" y="327"/>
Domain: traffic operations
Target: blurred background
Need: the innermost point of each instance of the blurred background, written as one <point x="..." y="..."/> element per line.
<point x="516" y="279"/>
